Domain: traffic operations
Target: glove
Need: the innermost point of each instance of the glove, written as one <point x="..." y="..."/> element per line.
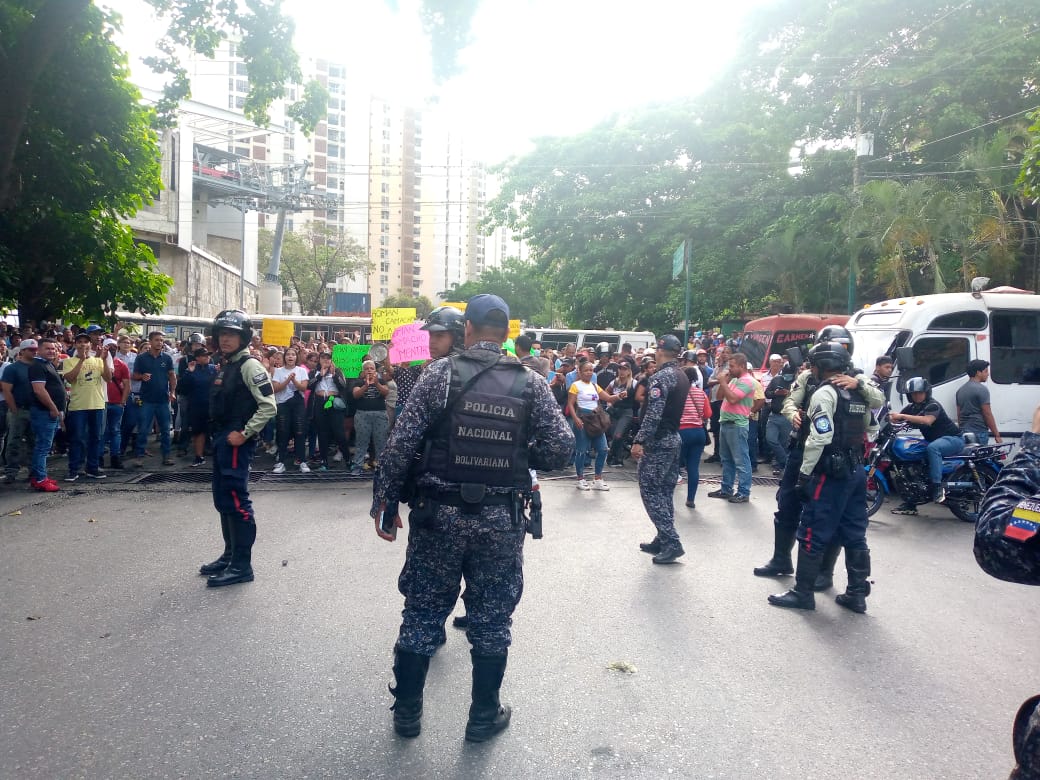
<point x="804" y="487"/>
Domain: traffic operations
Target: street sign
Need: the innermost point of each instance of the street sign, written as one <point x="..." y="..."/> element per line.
<point x="678" y="260"/>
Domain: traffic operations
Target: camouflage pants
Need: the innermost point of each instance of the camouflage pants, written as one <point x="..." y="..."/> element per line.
<point x="488" y="551"/>
<point x="658" y="474"/>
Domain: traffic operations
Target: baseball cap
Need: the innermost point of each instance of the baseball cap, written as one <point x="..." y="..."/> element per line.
<point x="485" y="309"/>
<point x="775" y="356"/>
<point x="669" y="343"/>
<point x="82" y="336"/>
<point x="94" y="329"/>
<point x="28" y="344"/>
<point x="109" y="343"/>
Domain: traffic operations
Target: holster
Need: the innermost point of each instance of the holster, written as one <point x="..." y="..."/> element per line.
<point x="423" y="511"/>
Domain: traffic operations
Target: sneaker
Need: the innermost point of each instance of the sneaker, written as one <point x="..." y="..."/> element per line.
<point x="272" y="450"/>
<point x="9" y="479"/>
<point x="680" y="480"/>
<point x="198" y="462"/>
<point x="905" y="509"/>
<point x="323" y="467"/>
<point x="168" y="461"/>
<point x="778" y="472"/>
<point x="305" y="469"/>
<point x="582" y="484"/>
<point x="690" y="505"/>
<point x="719" y="494"/>
<point x="97" y="474"/>
<point x="46" y="485"/>
<point x="739" y="499"/>
<point x="356" y="471"/>
<point x="72" y="477"/>
<point x="599" y="484"/>
<point x="279" y="468"/>
<point x="338" y="457"/>
<point x="713" y="459"/>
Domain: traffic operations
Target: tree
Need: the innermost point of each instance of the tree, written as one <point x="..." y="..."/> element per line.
<point x="312" y="259"/>
<point x="422" y="305"/>
<point x="517" y="282"/>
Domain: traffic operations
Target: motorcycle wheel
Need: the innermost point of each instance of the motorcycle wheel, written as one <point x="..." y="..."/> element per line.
<point x="875" y="495"/>
<point x="968" y="511"/>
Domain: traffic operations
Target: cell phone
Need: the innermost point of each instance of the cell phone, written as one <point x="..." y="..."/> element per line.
<point x="386" y="518"/>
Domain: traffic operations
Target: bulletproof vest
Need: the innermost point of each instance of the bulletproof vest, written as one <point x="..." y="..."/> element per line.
<point x="484" y="438"/>
<point x="231" y="404"/>
<point x="811" y="383"/>
<point x="849" y="427"/>
<point x="673" y="405"/>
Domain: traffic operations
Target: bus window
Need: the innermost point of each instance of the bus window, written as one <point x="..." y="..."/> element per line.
<point x="557" y="341"/>
<point x="786" y="339"/>
<point x="1015" y="347"/>
<point x="754" y="345"/>
<point x="941" y="358"/>
<point x="589" y="341"/>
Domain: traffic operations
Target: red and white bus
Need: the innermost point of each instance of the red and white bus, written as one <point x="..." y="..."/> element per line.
<point x="779" y="332"/>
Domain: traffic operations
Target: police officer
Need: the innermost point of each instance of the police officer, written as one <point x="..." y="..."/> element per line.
<point x="480" y="419"/>
<point x="788" y="501"/>
<point x="832" y="484"/>
<point x="447" y="327"/>
<point x="241" y="403"/>
<point x="657" y="447"/>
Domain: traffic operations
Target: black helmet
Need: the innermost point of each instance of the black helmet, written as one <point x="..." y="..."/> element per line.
<point x="917" y="384"/>
<point x="829" y="356"/>
<point x="835" y="333"/>
<point x="603" y="349"/>
<point x="235" y="320"/>
<point x="447" y="318"/>
<point x="690" y="356"/>
<point x="196" y="338"/>
<point x="669" y="343"/>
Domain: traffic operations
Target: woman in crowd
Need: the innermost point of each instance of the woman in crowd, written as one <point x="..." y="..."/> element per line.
<point x="196" y="382"/>
<point x="582" y="401"/>
<point x="692" y="434"/>
<point x="328" y="404"/>
<point x="290" y="382"/>
<point x="371" y="424"/>
<point x="621" y="411"/>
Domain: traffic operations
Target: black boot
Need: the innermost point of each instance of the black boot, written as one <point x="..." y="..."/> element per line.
<point x="780" y="564"/>
<point x="222" y="562"/>
<point x="653" y="547"/>
<point x="410" y="675"/>
<point x="487" y="715"/>
<point x="825" y="579"/>
<point x="615" y="456"/>
<point x="857" y="563"/>
<point x="461" y="621"/>
<point x="243" y="534"/>
<point x="670" y="552"/>
<point x="1025" y="736"/>
<point x="801" y="595"/>
<point x="116" y="462"/>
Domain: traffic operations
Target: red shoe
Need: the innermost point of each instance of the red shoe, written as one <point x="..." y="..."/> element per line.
<point x="46" y="485"/>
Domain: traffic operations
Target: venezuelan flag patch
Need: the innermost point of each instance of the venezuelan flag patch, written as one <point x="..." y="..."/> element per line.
<point x="1025" y="521"/>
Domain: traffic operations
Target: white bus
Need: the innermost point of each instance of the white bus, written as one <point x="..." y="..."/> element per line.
<point x="944" y="332"/>
<point x="557" y="338"/>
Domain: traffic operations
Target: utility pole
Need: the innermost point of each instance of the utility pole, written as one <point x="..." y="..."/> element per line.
<point x="853" y="265"/>
<point x="687" y="252"/>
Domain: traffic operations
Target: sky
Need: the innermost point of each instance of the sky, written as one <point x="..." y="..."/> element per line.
<point x="534" y="67"/>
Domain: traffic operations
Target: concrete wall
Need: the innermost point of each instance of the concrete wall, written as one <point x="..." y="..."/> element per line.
<point x="202" y="284"/>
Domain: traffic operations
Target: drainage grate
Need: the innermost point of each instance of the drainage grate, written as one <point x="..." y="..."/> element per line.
<point x="265" y="477"/>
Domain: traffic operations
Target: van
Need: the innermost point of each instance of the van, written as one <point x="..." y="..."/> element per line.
<point x="944" y="332"/>
<point x="557" y="338"/>
<point x="777" y="334"/>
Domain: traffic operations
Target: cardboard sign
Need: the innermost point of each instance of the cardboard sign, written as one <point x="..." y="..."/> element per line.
<point x="409" y="343"/>
<point x="277" y="333"/>
<point x="514" y="328"/>
<point x="349" y="357"/>
<point x="385" y="320"/>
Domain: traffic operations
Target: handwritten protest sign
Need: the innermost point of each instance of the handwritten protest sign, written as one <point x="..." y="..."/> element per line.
<point x="385" y="320"/>
<point x="349" y="357"/>
<point x="408" y="343"/>
<point x="277" y="332"/>
<point x="459" y="306"/>
<point x="514" y="328"/>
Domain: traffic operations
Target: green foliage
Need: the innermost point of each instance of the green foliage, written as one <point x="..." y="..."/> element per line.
<point x="520" y="284"/>
<point x="1029" y="177"/>
<point x="422" y="305"/>
<point x="311" y="259"/>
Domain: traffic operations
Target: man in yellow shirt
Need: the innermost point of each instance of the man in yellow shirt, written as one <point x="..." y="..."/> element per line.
<point x="88" y="378"/>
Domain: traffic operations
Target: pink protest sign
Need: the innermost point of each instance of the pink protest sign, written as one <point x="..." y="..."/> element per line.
<point x="409" y="343"/>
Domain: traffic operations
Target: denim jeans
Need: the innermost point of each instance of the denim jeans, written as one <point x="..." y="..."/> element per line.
<point x="944" y="445"/>
<point x="43" y="426"/>
<point x="86" y="429"/>
<point x="114" y="429"/>
<point x="736" y="461"/>
<point x="778" y="431"/>
<point x="582" y="441"/>
<point x="693" y="440"/>
<point x="131" y="421"/>
<point x="982" y="437"/>
<point x="160" y="412"/>
<point x="753" y="442"/>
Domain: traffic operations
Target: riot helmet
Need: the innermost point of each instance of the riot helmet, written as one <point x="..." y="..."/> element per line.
<point x="447" y="318"/>
<point x="835" y="333"/>
<point x="917" y="384"/>
<point x="234" y="320"/>
<point x="829" y="356"/>
<point x="196" y="338"/>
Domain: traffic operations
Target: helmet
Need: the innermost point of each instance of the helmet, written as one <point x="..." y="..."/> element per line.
<point x="835" y="333"/>
<point x="829" y="356"/>
<point x="447" y="318"/>
<point x="602" y="349"/>
<point x="917" y="384"/>
<point x="669" y="343"/>
<point x="196" y="338"/>
<point x="690" y="355"/>
<point x="235" y="320"/>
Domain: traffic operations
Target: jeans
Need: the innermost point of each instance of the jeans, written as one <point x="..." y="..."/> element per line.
<point x="581" y="451"/>
<point x="19" y="440"/>
<point x="693" y="440"/>
<point x="86" y="429"/>
<point x="982" y="437"/>
<point x="778" y="431"/>
<point x="160" y="412"/>
<point x="291" y="423"/>
<point x="43" y="426"/>
<point x="753" y="442"/>
<point x="944" y="445"/>
<point x="114" y="429"/>
<point x="131" y="418"/>
<point x="736" y="460"/>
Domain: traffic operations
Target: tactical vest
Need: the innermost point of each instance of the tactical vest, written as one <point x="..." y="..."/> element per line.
<point x="231" y="404"/>
<point x="484" y="438"/>
<point x="674" y="404"/>
<point x="849" y="427"/>
<point x="811" y="383"/>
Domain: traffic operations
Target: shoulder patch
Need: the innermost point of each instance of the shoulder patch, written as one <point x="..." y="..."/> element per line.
<point x="259" y="378"/>
<point x="822" y="424"/>
<point x="655" y="393"/>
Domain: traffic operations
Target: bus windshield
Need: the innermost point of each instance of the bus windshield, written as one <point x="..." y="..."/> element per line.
<point x="869" y="345"/>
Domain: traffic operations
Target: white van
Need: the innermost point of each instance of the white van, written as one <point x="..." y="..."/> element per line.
<point x="945" y="332"/>
<point x="557" y="338"/>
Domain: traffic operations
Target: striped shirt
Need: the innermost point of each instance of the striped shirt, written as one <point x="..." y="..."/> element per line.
<point x="743" y="387"/>
<point x="692" y="415"/>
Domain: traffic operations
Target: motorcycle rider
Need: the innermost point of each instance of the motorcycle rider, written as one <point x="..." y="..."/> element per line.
<point x="832" y="484"/>
<point x="942" y="434"/>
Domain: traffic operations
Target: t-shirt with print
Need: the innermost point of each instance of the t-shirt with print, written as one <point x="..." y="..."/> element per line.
<point x="586" y="394"/>
<point x="89" y="389"/>
<point x="371" y="399"/>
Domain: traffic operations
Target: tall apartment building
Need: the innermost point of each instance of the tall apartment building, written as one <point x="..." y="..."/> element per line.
<point x="411" y="195"/>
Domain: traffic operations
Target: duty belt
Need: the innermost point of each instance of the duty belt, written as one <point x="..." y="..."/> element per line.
<point x="454" y="498"/>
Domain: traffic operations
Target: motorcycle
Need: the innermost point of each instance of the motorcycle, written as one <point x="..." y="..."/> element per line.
<point x="898" y="464"/>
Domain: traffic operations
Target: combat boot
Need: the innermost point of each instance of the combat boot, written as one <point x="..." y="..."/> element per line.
<point x="410" y="675"/>
<point x="222" y="562"/>
<point x="670" y="552"/>
<point x="243" y="534"/>
<point x="801" y="595"/>
<point x="857" y="563"/>
<point x="780" y="565"/>
<point x="653" y="547"/>
<point x="487" y="715"/>
<point x="825" y="579"/>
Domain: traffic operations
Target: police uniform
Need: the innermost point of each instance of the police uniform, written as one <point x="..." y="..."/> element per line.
<point x="658" y="469"/>
<point x="241" y="399"/>
<point x="488" y="420"/>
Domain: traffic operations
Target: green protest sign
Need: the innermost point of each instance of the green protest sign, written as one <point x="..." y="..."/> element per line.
<point x="349" y="357"/>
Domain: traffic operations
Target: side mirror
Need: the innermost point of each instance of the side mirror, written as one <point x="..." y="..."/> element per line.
<point x="905" y="359"/>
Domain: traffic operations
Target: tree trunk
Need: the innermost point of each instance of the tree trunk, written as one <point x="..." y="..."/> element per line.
<point x="19" y="73"/>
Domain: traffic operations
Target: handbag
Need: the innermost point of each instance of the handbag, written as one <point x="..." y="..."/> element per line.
<point x="596" y="422"/>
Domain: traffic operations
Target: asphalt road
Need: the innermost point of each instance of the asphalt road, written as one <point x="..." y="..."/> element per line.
<point x="116" y="661"/>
